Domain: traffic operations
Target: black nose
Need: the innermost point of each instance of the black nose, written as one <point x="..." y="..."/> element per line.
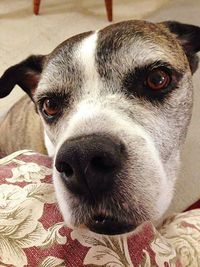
<point x="89" y="164"/>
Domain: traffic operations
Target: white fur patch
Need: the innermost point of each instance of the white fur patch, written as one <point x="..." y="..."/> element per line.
<point x="86" y="57"/>
<point x="48" y="144"/>
<point x="63" y="197"/>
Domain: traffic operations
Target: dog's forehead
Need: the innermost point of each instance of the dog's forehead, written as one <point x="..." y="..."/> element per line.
<point x="118" y="47"/>
<point x="133" y="44"/>
<point x="125" y="35"/>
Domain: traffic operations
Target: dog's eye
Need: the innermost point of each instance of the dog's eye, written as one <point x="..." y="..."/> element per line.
<point x="157" y="79"/>
<point x="51" y="107"/>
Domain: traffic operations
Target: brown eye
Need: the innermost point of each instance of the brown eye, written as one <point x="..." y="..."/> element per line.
<point x="51" y="107"/>
<point x="158" y="79"/>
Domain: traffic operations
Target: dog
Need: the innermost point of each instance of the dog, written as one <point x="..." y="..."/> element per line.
<point x="113" y="108"/>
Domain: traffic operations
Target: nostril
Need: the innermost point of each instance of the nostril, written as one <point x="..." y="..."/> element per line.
<point x="66" y="168"/>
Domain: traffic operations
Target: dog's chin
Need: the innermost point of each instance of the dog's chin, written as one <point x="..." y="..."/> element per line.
<point x="107" y="223"/>
<point x="106" y="216"/>
<point x="109" y="226"/>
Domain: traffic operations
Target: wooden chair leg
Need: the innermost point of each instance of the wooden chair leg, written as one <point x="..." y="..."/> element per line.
<point x="109" y="10"/>
<point x="36" y="6"/>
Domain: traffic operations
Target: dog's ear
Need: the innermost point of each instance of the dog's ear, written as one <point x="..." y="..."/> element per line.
<point x="26" y="74"/>
<point x="189" y="37"/>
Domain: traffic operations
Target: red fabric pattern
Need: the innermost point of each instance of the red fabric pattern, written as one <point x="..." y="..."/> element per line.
<point x="37" y="236"/>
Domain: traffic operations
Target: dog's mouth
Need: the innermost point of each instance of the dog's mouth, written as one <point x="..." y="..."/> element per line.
<point x="109" y="225"/>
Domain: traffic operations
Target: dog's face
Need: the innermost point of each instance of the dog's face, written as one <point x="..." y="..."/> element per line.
<point x="116" y="105"/>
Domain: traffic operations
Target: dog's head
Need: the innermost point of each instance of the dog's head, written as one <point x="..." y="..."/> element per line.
<point x="116" y="104"/>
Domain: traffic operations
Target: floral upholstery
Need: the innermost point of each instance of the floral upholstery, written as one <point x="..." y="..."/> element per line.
<point x="32" y="232"/>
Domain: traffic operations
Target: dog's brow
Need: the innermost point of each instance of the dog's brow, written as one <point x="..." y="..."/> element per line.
<point x="159" y="63"/>
<point x="52" y="94"/>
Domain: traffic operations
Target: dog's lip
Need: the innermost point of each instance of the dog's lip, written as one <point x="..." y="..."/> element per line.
<point x="108" y="225"/>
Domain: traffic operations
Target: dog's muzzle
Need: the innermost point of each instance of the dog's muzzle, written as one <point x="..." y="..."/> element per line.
<point x="89" y="166"/>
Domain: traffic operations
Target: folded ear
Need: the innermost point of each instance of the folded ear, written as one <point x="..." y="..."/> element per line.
<point x="26" y="74"/>
<point x="189" y="37"/>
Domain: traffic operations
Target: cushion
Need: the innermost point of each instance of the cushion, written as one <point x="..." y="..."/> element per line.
<point x="32" y="232"/>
